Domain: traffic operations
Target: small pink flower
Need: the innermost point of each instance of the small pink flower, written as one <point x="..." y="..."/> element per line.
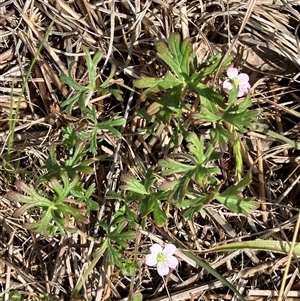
<point x="234" y="79"/>
<point x="162" y="258"/>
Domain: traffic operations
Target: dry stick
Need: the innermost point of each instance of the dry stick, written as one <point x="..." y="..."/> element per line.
<point x="291" y="282"/>
<point x="184" y="22"/>
<point x="261" y="179"/>
<point x="186" y="293"/>
<point x="43" y="64"/>
<point x="43" y="264"/>
<point x="8" y="272"/>
<point x="277" y="117"/>
<point x="287" y="191"/>
<point x="112" y="33"/>
<point x="46" y="45"/>
<point x="170" y="298"/>
<point x="291" y="251"/>
<point x="23" y="277"/>
<point x="194" y="234"/>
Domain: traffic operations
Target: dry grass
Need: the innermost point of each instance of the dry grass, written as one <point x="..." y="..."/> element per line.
<point x="266" y="46"/>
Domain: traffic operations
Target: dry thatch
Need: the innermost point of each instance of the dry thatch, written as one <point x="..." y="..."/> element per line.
<point x="262" y="36"/>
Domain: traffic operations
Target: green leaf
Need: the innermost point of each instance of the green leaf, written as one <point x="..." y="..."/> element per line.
<point x="33" y="196"/>
<point x="198" y="201"/>
<point x="115" y="92"/>
<point x="71" y="82"/>
<point x="241" y="121"/>
<point x="174" y="42"/>
<point x="114" y="255"/>
<point x="204" y="175"/>
<point x="111" y="124"/>
<point x="91" y="206"/>
<point x="180" y="189"/>
<point x="144" y="115"/>
<point x="154" y="85"/>
<point x="181" y="53"/>
<point x="215" y="62"/>
<point x="173" y="166"/>
<point x="208" y="116"/>
<point x="189" y="212"/>
<point x="208" y="97"/>
<point x="171" y="105"/>
<point x="104" y="226"/>
<point x="134" y="185"/>
<point x="70" y="102"/>
<point x="244" y="105"/>
<point x="128" y="267"/>
<point x="164" y="53"/>
<point x="130" y="215"/>
<point x="112" y="195"/>
<point x="196" y="146"/>
<point x="59" y="222"/>
<point x="219" y="135"/>
<point x="121" y="237"/>
<point x="88" y="57"/>
<point x="186" y="51"/>
<point x="16" y="296"/>
<point x="147" y="205"/>
<point x="234" y="190"/>
<point x="159" y="215"/>
<point x="42" y="226"/>
<point x="237" y="204"/>
<point x="92" y="65"/>
<point x="149" y="180"/>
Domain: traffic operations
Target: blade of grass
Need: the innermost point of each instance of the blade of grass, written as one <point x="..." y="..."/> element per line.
<point x="97" y="255"/>
<point x="13" y="119"/>
<point x="277" y="136"/>
<point x="213" y="272"/>
<point x="287" y="267"/>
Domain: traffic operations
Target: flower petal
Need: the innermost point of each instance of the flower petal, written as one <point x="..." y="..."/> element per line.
<point x="163" y="269"/>
<point x="241" y="93"/>
<point x="151" y="260"/>
<point x="227" y="85"/>
<point x="232" y="73"/>
<point x="156" y="249"/>
<point x="243" y="90"/>
<point x="243" y="78"/>
<point x="169" y="250"/>
<point x="246" y="86"/>
<point x="172" y="262"/>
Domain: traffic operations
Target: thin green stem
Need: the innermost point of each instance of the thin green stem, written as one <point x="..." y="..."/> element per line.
<point x="13" y="119"/>
<point x="277" y="136"/>
<point x="97" y="255"/>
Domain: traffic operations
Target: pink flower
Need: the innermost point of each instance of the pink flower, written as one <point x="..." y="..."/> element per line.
<point x="162" y="258"/>
<point x="240" y="80"/>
